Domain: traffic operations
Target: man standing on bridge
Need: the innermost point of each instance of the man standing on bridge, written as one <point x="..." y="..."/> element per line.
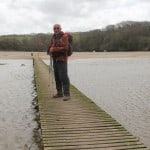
<point x="58" y="51"/>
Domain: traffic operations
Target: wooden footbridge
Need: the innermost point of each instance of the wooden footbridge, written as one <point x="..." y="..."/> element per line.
<point x="77" y="124"/>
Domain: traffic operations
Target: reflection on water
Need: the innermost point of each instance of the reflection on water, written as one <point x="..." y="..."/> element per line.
<point x="121" y="87"/>
<point x="16" y="109"/>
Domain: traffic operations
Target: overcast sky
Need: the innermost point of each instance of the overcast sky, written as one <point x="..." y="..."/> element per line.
<point x="38" y="16"/>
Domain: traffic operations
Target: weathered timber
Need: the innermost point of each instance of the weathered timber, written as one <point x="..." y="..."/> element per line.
<point x="77" y="124"/>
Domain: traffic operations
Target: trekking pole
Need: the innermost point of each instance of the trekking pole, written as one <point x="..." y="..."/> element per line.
<point x="52" y="79"/>
<point x="49" y="76"/>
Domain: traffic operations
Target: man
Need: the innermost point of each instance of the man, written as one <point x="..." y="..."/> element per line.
<point x="58" y="51"/>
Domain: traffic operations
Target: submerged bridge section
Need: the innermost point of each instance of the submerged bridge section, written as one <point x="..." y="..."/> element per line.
<point x="77" y="124"/>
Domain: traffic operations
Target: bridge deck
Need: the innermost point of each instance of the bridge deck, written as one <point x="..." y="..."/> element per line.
<point x="78" y="123"/>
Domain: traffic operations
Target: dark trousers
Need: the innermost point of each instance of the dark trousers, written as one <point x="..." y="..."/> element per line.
<point x="61" y="77"/>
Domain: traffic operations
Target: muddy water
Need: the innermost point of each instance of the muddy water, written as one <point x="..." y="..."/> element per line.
<point x="16" y="109"/>
<point x="121" y="86"/>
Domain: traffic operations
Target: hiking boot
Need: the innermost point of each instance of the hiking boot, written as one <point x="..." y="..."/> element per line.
<point x="57" y="95"/>
<point x="66" y="98"/>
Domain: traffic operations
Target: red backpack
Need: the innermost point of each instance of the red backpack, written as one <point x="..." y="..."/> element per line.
<point x="70" y="41"/>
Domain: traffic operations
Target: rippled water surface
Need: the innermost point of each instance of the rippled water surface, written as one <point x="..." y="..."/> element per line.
<point x="121" y="86"/>
<point x="16" y="109"/>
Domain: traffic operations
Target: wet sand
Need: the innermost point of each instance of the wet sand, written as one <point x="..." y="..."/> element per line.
<point x="76" y="55"/>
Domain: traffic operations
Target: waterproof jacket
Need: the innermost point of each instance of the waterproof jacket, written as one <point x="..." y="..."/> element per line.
<point x="59" y="43"/>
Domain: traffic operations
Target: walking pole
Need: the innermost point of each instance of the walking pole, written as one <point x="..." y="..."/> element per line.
<point x="52" y="79"/>
<point x="49" y="76"/>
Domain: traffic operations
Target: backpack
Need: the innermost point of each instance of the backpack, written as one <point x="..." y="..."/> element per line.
<point x="70" y="41"/>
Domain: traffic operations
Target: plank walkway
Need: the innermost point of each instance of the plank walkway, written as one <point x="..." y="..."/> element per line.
<point x="77" y="124"/>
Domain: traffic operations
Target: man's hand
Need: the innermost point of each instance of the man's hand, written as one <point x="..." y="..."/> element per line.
<point x="51" y="49"/>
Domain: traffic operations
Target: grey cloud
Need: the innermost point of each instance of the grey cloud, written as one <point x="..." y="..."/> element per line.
<point x="27" y="16"/>
<point x="72" y="8"/>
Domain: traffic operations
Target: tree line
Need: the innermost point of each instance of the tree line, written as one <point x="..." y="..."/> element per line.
<point x="126" y="36"/>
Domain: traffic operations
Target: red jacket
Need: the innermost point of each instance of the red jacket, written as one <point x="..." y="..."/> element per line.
<point x="59" y="43"/>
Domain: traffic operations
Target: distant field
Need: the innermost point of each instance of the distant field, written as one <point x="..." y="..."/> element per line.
<point x="76" y="55"/>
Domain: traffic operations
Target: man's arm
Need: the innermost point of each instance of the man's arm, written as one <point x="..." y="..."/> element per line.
<point x="63" y="46"/>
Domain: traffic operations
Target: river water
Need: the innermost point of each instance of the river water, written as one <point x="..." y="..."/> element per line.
<point x="121" y="87"/>
<point x="118" y="85"/>
<point x="17" y="112"/>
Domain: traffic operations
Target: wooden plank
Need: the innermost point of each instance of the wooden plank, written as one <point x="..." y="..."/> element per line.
<point x="78" y="123"/>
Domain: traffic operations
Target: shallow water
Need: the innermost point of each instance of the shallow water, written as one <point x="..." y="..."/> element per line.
<point x="16" y="110"/>
<point x="121" y="87"/>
